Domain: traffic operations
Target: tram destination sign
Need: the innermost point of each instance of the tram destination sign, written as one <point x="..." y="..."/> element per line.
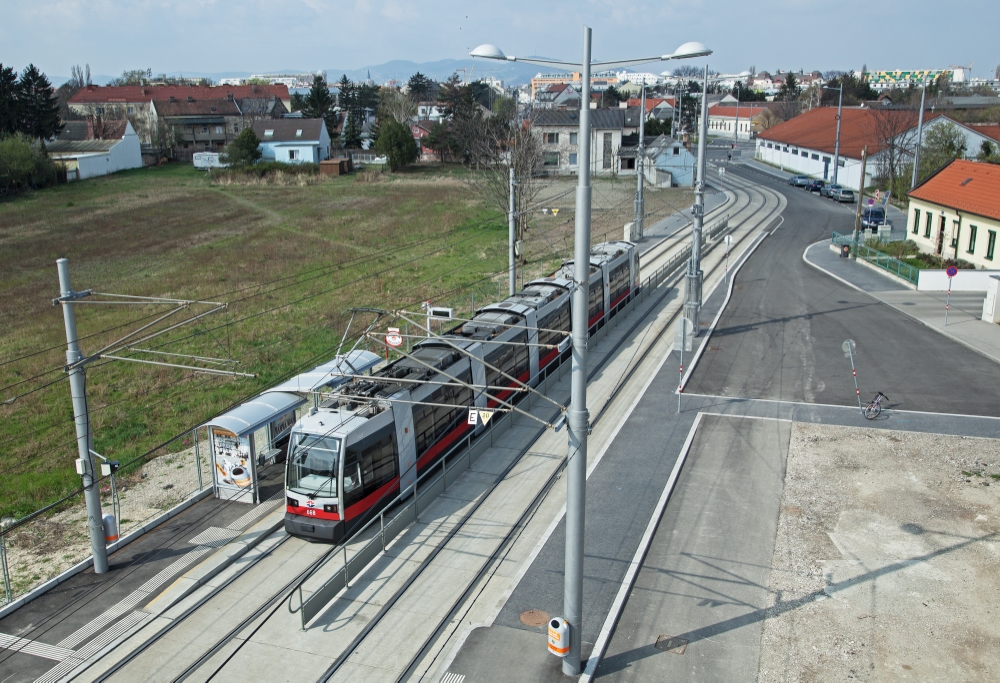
<point x="393" y="338"/>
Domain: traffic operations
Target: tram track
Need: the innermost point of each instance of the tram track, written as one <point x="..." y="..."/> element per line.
<point x="662" y="252"/>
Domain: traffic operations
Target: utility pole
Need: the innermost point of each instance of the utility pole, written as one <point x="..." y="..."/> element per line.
<point x="512" y="236"/>
<point x="578" y="419"/>
<point x="920" y="137"/>
<point x="640" y="207"/>
<point x="78" y="390"/>
<point x="693" y="279"/>
<point x="861" y="199"/>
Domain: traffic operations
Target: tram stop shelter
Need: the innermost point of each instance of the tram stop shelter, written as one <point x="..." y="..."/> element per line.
<point x="255" y="433"/>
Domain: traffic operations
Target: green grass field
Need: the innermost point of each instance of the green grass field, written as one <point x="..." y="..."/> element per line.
<point x="289" y="259"/>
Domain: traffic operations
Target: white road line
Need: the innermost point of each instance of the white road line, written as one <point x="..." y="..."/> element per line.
<point x="33" y="647"/>
<point x="636" y="564"/>
<point x="60" y="671"/>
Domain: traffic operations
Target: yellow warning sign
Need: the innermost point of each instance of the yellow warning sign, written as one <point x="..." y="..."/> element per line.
<point x="555" y="212"/>
<point x="484" y="416"/>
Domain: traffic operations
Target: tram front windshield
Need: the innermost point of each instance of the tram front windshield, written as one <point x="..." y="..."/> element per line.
<point x="312" y="467"/>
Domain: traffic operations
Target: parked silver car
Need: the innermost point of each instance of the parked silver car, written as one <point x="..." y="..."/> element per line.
<point x="843" y="195"/>
<point x="798" y="180"/>
<point x="828" y="190"/>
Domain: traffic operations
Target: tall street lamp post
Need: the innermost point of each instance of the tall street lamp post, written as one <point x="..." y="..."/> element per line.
<point x="920" y="137"/>
<point x="836" y="145"/>
<point x="578" y="418"/>
<point x="640" y="157"/>
<point x="693" y="277"/>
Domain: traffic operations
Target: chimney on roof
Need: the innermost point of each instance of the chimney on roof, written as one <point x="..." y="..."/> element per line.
<point x="593" y="105"/>
<point x="190" y="99"/>
<point x="623" y="105"/>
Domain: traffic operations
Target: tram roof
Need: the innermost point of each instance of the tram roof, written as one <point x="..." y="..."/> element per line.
<point x="356" y="362"/>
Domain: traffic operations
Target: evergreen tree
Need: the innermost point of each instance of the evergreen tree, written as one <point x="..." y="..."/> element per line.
<point x="397" y="144"/>
<point x="9" y="104"/>
<point x="318" y="104"/>
<point x="38" y="105"/>
<point x="351" y="134"/>
<point x="419" y="87"/>
<point x="244" y="150"/>
<point x="789" y="89"/>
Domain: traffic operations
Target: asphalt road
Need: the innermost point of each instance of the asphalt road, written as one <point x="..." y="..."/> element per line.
<point x="780" y="336"/>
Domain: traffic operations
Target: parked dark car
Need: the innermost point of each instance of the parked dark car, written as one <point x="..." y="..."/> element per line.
<point x="872" y="217"/>
<point x="843" y="195"/>
<point x="816" y="186"/>
<point x="798" y="180"/>
<point x="828" y="190"/>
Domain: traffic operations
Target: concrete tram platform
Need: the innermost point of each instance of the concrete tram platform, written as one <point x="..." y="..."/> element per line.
<point x="51" y="634"/>
<point x="965" y="323"/>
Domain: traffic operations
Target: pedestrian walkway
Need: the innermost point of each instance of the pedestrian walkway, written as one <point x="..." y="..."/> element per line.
<point x="964" y="314"/>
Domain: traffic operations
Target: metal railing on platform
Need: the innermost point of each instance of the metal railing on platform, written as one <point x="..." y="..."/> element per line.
<point x="887" y="263"/>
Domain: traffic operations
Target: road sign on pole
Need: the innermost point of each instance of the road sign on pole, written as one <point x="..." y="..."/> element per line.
<point x="393" y="338"/>
<point x="951" y="272"/>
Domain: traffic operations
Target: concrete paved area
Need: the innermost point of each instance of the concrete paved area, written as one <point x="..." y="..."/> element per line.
<point x="709" y="561"/>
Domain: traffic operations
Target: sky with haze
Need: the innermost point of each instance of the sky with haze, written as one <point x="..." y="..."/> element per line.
<point x="211" y="36"/>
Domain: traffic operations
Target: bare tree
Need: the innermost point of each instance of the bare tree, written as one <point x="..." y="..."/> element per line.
<point x="501" y="142"/>
<point x="894" y="130"/>
<point x="767" y="119"/>
<point x="395" y="104"/>
<point x="259" y="107"/>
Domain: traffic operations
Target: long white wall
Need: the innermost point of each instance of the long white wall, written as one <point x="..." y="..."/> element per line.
<point x="789" y="158"/>
<point x="123" y="155"/>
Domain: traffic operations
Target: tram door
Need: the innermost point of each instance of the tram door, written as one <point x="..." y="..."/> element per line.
<point x="479" y="380"/>
<point x="402" y="415"/>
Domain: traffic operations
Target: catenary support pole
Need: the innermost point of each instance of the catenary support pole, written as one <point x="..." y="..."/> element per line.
<point x="694" y="276"/>
<point x="861" y="199"/>
<point x="640" y="155"/>
<point x="836" y="144"/>
<point x="578" y="419"/>
<point x="512" y="236"/>
<point x="78" y="390"/>
<point x="920" y="138"/>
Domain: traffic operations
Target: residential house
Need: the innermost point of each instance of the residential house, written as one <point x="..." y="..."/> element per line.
<point x="673" y="162"/>
<point x="558" y="131"/>
<point x="806" y="143"/>
<point x="421" y="132"/>
<point x="955" y="213"/>
<point x="661" y="108"/>
<point x="431" y="111"/>
<point x="598" y="81"/>
<point x="198" y="125"/>
<point x="293" y="141"/>
<point x="135" y="103"/>
<point x="723" y="120"/>
<point x="559" y="96"/>
<point x="113" y="146"/>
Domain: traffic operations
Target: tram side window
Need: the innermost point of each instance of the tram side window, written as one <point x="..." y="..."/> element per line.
<point x="511" y="358"/>
<point x="369" y="465"/>
<point x="596" y="299"/>
<point x="619" y="281"/>
<point x="431" y="422"/>
<point x="557" y="320"/>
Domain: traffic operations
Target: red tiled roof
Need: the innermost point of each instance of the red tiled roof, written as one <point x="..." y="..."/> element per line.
<point x="817" y="129"/>
<point x="969" y="186"/>
<point x="745" y="111"/>
<point x="651" y="102"/>
<point x="990" y="130"/>
<point x="97" y="94"/>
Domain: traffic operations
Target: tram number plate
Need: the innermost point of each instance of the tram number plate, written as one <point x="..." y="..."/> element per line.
<point x="311" y="513"/>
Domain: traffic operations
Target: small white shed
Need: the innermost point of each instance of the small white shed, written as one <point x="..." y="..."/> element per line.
<point x="84" y="159"/>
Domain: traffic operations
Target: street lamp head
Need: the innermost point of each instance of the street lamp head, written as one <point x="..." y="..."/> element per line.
<point x="744" y="74"/>
<point x="488" y="51"/>
<point x="688" y="51"/>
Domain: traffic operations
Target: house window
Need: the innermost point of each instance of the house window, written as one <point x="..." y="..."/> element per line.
<point x="551" y="159"/>
<point x="572" y="138"/>
<point x="293" y="154"/>
<point x="815" y="157"/>
<point x="268" y="134"/>
<point x="218" y="129"/>
<point x="955" y="234"/>
<point x="927" y="225"/>
<point x="916" y="221"/>
<point x="677" y="151"/>
<point x="100" y="111"/>
<point x="991" y="242"/>
<point x="298" y="133"/>
<point x="841" y="163"/>
<point x="131" y="110"/>
<point x="552" y="138"/>
<point x="204" y="129"/>
<point x="236" y="128"/>
<point x="972" y="239"/>
<point x="572" y="158"/>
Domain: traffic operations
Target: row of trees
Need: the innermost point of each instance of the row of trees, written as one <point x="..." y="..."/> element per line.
<point x="28" y="104"/>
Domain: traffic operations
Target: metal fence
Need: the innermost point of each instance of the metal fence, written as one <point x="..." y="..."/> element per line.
<point x="887" y="263"/>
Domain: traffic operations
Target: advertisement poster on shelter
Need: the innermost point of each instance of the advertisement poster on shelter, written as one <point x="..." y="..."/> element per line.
<point x="232" y="470"/>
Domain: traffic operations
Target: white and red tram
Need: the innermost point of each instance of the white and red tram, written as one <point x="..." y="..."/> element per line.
<point x="348" y="459"/>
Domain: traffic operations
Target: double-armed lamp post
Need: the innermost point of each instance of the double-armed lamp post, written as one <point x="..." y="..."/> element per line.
<point x="578" y="418"/>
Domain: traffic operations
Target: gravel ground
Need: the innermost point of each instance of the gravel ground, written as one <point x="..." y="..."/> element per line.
<point x="50" y="545"/>
<point x="886" y="560"/>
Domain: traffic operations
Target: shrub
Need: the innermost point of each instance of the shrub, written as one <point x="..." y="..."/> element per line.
<point x="24" y="164"/>
<point x="396" y="142"/>
<point x="244" y="150"/>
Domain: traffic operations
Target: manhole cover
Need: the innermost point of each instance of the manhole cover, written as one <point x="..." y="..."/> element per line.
<point x="534" y="617"/>
<point x="671" y="644"/>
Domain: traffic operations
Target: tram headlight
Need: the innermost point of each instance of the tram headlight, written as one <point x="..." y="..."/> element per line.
<point x="292" y="503"/>
<point x="330" y="508"/>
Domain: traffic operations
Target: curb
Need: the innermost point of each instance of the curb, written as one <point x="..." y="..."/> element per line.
<point x="898" y="310"/>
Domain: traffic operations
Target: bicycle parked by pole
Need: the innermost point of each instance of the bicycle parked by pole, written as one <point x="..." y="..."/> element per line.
<point x="874" y="409"/>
